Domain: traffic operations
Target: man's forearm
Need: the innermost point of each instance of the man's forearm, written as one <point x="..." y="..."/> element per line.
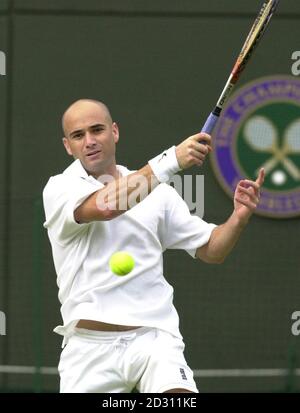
<point x="122" y="194"/>
<point x="224" y="237"/>
<point x="117" y="196"/>
<point x="222" y="240"/>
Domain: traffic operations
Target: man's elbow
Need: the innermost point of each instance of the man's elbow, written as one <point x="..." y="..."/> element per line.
<point x="85" y="216"/>
<point x="212" y="259"/>
<point x="217" y="260"/>
<point x="108" y="214"/>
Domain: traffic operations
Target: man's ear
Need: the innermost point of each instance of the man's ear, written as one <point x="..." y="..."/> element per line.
<point x="67" y="146"/>
<point x="115" y="131"/>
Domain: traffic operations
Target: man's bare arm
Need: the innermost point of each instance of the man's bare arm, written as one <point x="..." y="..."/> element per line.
<point x="114" y="199"/>
<point x="224" y="237"/>
<point x="222" y="240"/>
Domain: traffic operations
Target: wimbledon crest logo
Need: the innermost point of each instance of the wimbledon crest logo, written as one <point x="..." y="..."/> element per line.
<point x="260" y="127"/>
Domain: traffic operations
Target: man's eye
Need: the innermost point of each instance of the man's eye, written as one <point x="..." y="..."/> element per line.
<point x="78" y="136"/>
<point x="98" y="130"/>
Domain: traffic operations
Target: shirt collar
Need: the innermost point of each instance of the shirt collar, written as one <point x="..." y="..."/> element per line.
<point x="76" y="169"/>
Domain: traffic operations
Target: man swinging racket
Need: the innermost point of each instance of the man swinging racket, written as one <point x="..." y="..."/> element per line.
<point x="122" y="332"/>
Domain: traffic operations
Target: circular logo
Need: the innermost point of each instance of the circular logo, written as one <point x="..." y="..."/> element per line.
<point x="260" y="127"/>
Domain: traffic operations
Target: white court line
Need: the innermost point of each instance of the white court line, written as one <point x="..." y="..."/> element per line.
<point x="212" y="373"/>
<point x="28" y="370"/>
<point x="246" y="373"/>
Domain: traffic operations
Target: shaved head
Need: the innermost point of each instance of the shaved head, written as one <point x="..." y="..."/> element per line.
<point x="78" y="107"/>
<point x="90" y="135"/>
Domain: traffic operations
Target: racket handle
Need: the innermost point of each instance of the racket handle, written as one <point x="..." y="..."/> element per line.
<point x="210" y="123"/>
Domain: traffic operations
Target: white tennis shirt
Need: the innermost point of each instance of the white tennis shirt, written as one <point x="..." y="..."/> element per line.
<point x="81" y="252"/>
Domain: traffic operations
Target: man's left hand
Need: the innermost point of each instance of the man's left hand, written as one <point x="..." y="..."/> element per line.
<point x="247" y="195"/>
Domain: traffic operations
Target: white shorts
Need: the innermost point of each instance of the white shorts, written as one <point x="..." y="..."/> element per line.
<point x="146" y="359"/>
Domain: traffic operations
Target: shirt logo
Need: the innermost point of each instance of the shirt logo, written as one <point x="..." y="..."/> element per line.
<point x="261" y="128"/>
<point x="164" y="154"/>
<point x="182" y="372"/>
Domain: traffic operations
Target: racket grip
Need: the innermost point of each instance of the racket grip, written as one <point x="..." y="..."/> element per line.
<point x="210" y="123"/>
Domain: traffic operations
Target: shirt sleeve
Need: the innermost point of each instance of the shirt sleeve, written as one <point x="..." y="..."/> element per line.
<point x="61" y="196"/>
<point x="180" y="229"/>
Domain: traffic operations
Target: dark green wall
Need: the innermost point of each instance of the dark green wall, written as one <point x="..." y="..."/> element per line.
<point x="159" y="65"/>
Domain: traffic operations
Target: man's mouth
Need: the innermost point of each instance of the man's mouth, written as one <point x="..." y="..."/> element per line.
<point x="93" y="153"/>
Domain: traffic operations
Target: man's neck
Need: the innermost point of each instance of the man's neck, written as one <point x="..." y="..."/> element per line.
<point x="111" y="171"/>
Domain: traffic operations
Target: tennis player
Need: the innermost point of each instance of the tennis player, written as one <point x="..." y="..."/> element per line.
<point x="122" y="333"/>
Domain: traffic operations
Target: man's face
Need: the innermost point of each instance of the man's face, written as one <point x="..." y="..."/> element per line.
<point x="91" y="137"/>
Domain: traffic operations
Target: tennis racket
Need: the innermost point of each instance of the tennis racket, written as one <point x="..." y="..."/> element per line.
<point x="255" y="35"/>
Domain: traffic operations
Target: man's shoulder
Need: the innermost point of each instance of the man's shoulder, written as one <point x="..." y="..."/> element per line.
<point x="164" y="194"/>
<point x="167" y="190"/>
<point x="72" y="175"/>
<point x="75" y="169"/>
<point x="56" y="185"/>
<point x="57" y="180"/>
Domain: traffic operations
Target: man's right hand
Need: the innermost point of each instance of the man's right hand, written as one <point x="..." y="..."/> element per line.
<point x="193" y="150"/>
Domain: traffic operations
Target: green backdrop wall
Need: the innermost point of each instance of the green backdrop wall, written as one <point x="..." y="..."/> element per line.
<point x="159" y="65"/>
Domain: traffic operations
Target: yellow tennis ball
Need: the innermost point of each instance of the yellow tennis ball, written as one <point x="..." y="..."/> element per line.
<point x="121" y="263"/>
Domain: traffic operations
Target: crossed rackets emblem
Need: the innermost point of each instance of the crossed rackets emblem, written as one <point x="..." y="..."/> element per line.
<point x="262" y="135"/>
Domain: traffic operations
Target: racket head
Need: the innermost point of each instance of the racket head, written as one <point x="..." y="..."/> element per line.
<point x="256" y="33"/>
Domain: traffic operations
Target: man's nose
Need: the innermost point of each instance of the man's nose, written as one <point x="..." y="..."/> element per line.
<point x="90" y="139"/>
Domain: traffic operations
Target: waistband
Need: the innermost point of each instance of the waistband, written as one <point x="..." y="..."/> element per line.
<point x="111" y="336"/>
